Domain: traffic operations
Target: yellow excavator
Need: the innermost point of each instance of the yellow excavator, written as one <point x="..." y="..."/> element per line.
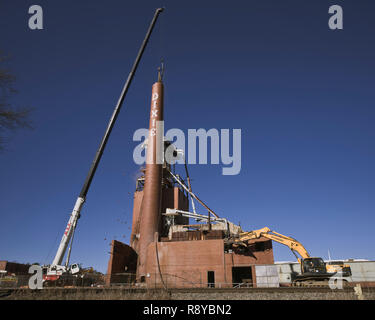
<point x="313" y="270"/>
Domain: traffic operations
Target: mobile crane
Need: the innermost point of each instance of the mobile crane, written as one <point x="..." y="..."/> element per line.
<point x="313" y="269"/>
<point x="56" y="270"/>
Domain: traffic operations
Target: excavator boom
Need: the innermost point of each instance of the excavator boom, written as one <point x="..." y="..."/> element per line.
<point x="293" y="244"/>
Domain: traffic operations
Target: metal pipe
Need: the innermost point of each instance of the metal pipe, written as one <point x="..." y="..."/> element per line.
<point x="189" y="185"/>
<point x="192" y="194"/>
<point x="196" y="216"/>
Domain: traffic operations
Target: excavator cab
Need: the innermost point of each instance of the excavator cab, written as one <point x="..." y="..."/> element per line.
<point x="313" y="265"/>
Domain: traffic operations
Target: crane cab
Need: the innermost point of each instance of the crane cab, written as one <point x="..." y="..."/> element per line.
<point x="75" y="268"/>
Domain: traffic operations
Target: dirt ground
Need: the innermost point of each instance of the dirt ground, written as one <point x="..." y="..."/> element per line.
<point x="210" y="294"/>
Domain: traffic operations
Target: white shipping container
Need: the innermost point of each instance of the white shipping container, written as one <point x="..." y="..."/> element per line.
<point x="267" y="276"/>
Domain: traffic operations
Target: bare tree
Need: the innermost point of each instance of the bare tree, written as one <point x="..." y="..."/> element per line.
<point x="11" y="118"/>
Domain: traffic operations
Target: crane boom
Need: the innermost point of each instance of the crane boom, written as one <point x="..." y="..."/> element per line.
<point x="72" y="223"/>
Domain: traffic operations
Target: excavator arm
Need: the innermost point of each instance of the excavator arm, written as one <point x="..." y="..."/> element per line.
<point x="312" y="269"/>
<point x="293" y="244"/>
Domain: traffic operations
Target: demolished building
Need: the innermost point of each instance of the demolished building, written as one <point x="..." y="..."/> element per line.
<point x="165" y="249"/>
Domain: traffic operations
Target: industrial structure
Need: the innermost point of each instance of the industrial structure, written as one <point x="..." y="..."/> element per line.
<point x="171" y="242"/>
<point x="8" y="267"/>
<point x="163" y="242"/>
<point x="165" y="246"/>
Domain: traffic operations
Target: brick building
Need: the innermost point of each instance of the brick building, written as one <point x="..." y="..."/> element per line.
<point x="165" y="249"/>
<point x="14" y="267"/>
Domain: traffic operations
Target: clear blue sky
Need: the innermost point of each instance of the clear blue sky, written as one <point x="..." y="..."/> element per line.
<point x="302" y="94"/>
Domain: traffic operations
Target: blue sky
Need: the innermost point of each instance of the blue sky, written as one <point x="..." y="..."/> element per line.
<point x="301" y="93"/>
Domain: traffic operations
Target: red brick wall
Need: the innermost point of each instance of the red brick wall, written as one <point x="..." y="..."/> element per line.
<point x="14" y="267"/>
<point x="250" y="259"/>
<point x="185" y="263"/>
<point x="137" y="202"/>
<point x="123" y="259"/>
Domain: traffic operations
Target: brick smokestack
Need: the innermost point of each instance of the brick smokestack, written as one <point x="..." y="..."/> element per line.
<point x="150" y="208"/>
